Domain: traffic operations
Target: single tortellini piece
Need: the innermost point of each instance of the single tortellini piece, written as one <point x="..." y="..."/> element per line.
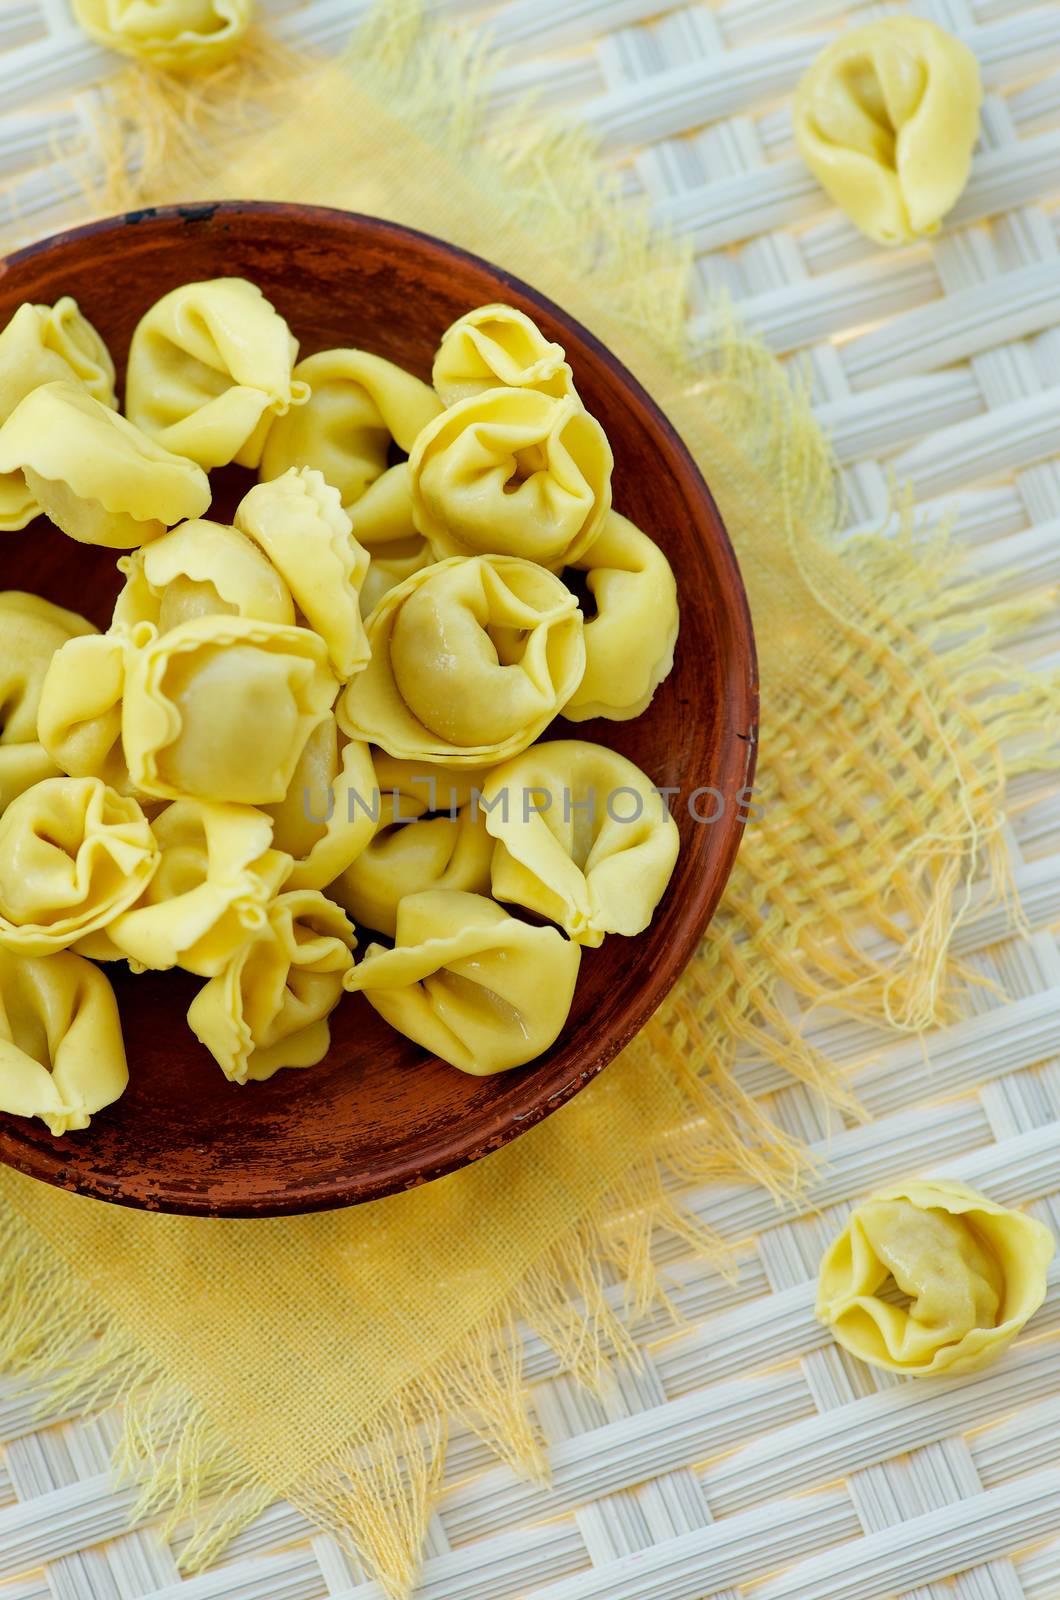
<point x="629" y="643"/>
<point x="583" y="838"/>
<point x="471" y="658"/>
<point x="515" y="472"/>
<point x="298" y="521"/>
<point x="469" y="982"/>
<point x="97" y="476"/>
<point x="382" y="523"/>
<point x="179" y="35"/>
<point x="497" y="346"/>
<point x="430" y="834"/>
<point x="217" y="874"/>
<point x="359" y="403"/>
<point x="886" y="119"/>
<point x="972" y="1272"/>
<point x="210" y="370"/>
<point x="31" y="630"/>
<point x="220" y="708"/>
<point x="62" y="1057"/>
<point x="270" y="1006"/>
<point x="326" y="819"/>
<point x="80" y="709"/>
<point x="73" y="855"/>
<point x="200" y="569"/>
<point x="46" y="344"/>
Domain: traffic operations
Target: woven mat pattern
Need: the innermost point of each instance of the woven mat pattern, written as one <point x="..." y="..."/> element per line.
<point x="747" y="1455"/>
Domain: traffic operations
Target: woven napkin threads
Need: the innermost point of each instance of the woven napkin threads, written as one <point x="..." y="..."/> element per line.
<point x="317" y="1358"/>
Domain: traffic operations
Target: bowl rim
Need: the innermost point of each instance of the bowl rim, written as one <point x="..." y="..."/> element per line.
<point x="403" y="1171"/>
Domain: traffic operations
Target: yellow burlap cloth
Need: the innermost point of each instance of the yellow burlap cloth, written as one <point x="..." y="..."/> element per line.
<point x="318" y="1358"/>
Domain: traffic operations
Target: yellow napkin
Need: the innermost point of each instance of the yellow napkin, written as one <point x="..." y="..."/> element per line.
<point x="317" y="1358"/>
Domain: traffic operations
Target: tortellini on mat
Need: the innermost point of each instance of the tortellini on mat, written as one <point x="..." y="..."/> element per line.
<point x="965" y="1275"/>
<point x="629" y="643"/>
<point x="886" y="119"/>
<point x="469" y="982"/>
<point x="216" y="877"/>
<point x="429" y="835"/>
<point x="220" y="708"/>
<point x="179" y="35"/>
<point x="298" y="521"/>
<point x="471" y="658"/>
<point x="326" y="820"/>
<point x="359" y="403"/>
<point x="62" y="1057"/>
<point x="583" y="838"/>
<point x="200" y="569"/>
<point x="513" y="472"/>
<point x="210" y="370"/>
<point x="97" y="476"/>
<point x="73" y="855"/>
<point x="269" y="1008"/>
<point x="494" y="347"/>
<point x="382" y="523"/>
<point x="80" y="710"/>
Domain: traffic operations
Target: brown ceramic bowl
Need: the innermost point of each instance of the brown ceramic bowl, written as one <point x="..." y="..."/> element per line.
<point x="378" y="1115"/>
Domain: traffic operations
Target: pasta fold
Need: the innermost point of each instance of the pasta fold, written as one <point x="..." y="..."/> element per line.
<point x="471" y="658"/>
<point x="469" y="982"/>
<point x="496" y="346"/>
<point x="583" y="838"/>
<point x="200" y="569"/>
<point x="382" y="524"/>
<point x="80" y="708"/>
<point x="326" y="820"/>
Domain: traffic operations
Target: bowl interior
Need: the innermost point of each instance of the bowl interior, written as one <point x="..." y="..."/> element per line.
<point x="377" y="1114"/>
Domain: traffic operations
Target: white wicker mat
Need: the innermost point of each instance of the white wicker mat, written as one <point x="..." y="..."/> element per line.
<point x="749" y="1455"/>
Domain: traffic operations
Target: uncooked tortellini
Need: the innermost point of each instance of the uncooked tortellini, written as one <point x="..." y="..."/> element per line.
<point x="972" y="1274"/>
<point x="515" y="472"/>
<point x="429" y="835"/>
<point x="583" y="838"/>
<point x="61" y="1052"/>
<point x="298" y="520"/>
<point x="382" y="523"/>
<point x="470" y="659"/>
<point x="220" y="708"/>
<point x="180" y="35"/>
<point x="201" y="569"/>
<point x="97" y="476"/>
<point x="494" y="347"/>
<point x="210" y="369"/>
<point x="629" y="643"/>
<point x="31" y="630"/>
<point x="326" y="819"/>
<point x="358" y="404"/>
<point x="79" y="714"/>
<point x="886" y="120"/>
<point x="216" y="876"/>
<point x="269" y="1008"/>
<point x="470" y="983"/>
<point x="73" y="854"/>
<point x="45" y="344"/>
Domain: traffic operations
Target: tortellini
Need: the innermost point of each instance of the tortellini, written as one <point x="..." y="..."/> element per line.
<point x="62" y="1057"/>
<point x="200" y="569"/>
<point x="31" y="630"/>
<point x="210" y="370"/>
<point x="469" y="982"/>
<point x="217" y="874"/>
<point x="972" y="1272"/>
<point x="298" y="520"/>
<point x="73" y="855"/>
<point x="269" y="1008"/>
<point x="220" y="708"/>
<point x="180" y="35"/>
<point x="358" y="404"/>
<point x="382" y="523"/>
<point x="470" y="659"/>
<point x="514" y="472"/>
<point x="45" y="344"/>
<point x="583" y="838"/>
<point x="629" y="643"/>
<point x="445" y="847"/>
<point x="80" y="710"/>
<point x="99" y="478"/>
<point x="886" y="119"/>
<point x="326" y="819"/>
<point x="494" y="347"/>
